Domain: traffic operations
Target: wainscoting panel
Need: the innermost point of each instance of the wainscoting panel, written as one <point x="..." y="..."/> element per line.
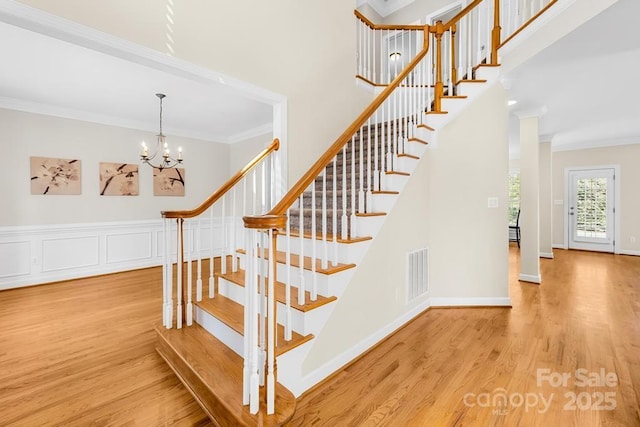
<point x="15" y="258"/>
<point x="31" y="255"/>
<point x="129" y="247"/>
<point x="66" y="253"/>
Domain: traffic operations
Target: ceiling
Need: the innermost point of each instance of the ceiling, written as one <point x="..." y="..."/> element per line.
<point x="586" y="83"/>
<point x="47" y="75"/>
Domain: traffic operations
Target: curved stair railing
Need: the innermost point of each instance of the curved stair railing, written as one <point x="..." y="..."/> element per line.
<point x="215" y="221"/>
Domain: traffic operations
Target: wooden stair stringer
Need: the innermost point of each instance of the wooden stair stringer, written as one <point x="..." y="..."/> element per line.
<point x="212" y="373"/>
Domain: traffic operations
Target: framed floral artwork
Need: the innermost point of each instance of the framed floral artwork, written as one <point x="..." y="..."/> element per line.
<point x="51" y="176"/>
<point x="168" y="182"/>
<point x="118" y="179"/>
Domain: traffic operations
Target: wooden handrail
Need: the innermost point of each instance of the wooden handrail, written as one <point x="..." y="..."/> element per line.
<point x="315" y="170"/>
<point x="373" y="26"/>
<point x="461" y="14"/>
<point x="226" y="186"/>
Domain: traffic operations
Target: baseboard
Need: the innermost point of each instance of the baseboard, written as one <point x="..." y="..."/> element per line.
<point x="346" y="357"/>
<point x="628" y="252"/>
<point x="471" y="302"/>
<point x="558" y="246"/>
<point x="530" y="279"/>
<point x="548" y="255"/>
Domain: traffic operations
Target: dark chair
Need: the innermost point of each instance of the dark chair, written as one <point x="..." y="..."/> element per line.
<point x="517" y="230"/>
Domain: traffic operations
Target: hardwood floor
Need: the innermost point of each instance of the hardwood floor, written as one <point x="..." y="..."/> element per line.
<point x="82" y="353"/>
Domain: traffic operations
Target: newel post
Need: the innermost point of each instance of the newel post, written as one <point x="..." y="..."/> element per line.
<point x="495" y="33"/>
<point x="269" y="224"/>
<point x="438" y="30"/>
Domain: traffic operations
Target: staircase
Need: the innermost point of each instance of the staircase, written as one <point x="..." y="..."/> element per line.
<point x="243" y="303"/>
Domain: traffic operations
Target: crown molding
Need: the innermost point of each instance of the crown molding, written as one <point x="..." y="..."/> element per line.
<point x="73" y="114"/>
<point x="265" y="129"/>
<point x="596" y="143"/>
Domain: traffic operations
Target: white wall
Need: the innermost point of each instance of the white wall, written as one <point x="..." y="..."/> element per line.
<point x="49" y="238"/>
<point x="25" y="134"/>
<point x="443" y="207"/>
<point x="242" y="152"/>
<point x="624" y="155"/>
<point x="302" y="50"/>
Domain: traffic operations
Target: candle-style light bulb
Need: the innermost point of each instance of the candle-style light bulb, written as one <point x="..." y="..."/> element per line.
<point x="145" y="149"/>
<point x="179" y="153"/>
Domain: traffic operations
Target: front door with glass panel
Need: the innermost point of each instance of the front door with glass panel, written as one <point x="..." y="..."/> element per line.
<point x="591" y="209"/>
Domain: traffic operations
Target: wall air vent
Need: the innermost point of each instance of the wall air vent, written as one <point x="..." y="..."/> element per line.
<point x="417" y="273"/>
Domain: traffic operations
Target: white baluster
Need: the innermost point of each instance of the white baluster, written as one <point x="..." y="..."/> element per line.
<point x="325" y="241"/>
<point x="314" y="244"/>
<point x="388" y="79"/>
<point x="373" y="55"/>
<point x="223" y="219"/>
<point x="334" y="224"/>
<point x="253" y="327"/>
<point x="470" y="46"/>
<point x="352" y="220"/>
<point x="368" y="169"/>
<point x="301" y="286"/>
<point x="271" y="330"/>
<point x="234" y="222"/>
<point x="450" y="62"/>
<point x="199" y="258"/>
<point x="262" y="308"/>
<point x="288" y="325"/>
<point x="179" y="260"/>
<point x="376" y="170"/>
<point x="167" y="313"/>
<point x="212" y="255"/>
<point x="189" y="319"/>
<point x="248" y="328"/>
<point x="345" y="194"/>
<point x="361" y="196"/>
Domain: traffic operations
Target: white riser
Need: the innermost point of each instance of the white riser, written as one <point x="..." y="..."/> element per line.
<point x="327" y="284"/>
<point x="369" y="225"/>
<point x="394" y="182"/>
<point x="408" y="164"/>
<point x="347" y="252"/>
<point x="488" y="73"/>
<point x="383" y="202"/>
<point x="424" y="134"/>
<point x="218" y="329"/>
<point x="304" y="323"/>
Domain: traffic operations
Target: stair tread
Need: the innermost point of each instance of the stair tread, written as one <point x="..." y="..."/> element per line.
<point x="295" y="262"/>
<point x="371" y="214"/>
<point x="472" y="81"/>
<point x="422" y="125"/>
<point x="410" y="156"/>
<point x="220" y="370"/>
<point x="238" y="278"/>
<point x="437" y="112"/>
<point x="390" y="191"/>
<point x="231" y="314"/>
<point x="414" y="139"/>
<point x="397" y="173"/>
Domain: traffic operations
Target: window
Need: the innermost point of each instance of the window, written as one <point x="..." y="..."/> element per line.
<point x="514" y="196"/>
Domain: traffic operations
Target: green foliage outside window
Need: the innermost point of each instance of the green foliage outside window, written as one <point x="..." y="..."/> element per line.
<point x="514" y="197"/>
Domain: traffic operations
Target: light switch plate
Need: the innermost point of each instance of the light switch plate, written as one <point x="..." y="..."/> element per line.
<point x="558" y="202"/>
<point x="492" y="202"/>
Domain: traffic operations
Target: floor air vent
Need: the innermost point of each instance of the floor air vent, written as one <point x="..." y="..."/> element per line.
<point x="417" y="273"/>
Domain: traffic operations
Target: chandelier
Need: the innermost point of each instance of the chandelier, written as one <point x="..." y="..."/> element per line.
<point x="164" y="161"/>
